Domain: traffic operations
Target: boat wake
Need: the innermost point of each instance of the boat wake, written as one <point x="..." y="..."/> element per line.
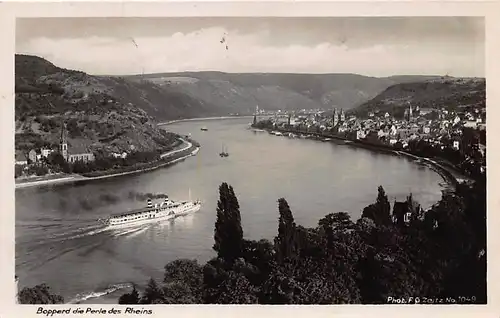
<point x="130" y="232"/>
<point x="96" y="294"/>
<point x="89" y="233"/>
<point x="138" y="231"/>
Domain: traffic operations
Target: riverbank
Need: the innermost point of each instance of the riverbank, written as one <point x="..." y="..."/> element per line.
<point x="189" y="148"/>
<point x="201" y="119"/>
<point x="322" y="187"/>
<point x="450" y="176"/>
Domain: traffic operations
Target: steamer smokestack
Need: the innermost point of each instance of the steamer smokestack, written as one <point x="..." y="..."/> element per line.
<point x="150" y="203"/>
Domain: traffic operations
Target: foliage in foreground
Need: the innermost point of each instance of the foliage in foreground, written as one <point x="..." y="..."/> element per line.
<point x="438" y="253"/>
<point x="40" y="294"/>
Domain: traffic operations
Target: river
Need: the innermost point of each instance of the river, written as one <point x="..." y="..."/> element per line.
<point x="59" y="242"/>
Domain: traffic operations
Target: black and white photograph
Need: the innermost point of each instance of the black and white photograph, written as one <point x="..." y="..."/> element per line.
<point x="250" y="160"/>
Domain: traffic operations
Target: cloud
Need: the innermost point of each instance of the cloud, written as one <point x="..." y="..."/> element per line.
<point x="202" y="49"/>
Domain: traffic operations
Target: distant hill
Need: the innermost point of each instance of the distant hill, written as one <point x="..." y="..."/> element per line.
<point x="241" y="92"/>
<point x="449" y="93"/>
<point x="167" y="96"/>
<point x="36" y="74"/>
<point x="103" y="114"/>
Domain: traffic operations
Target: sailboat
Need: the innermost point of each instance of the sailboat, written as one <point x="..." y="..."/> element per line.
<point x="223" y="153"/>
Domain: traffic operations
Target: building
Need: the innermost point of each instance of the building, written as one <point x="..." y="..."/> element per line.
<point x="335" y="118"/>
<point x="45" y="152"/>
<point x="80" y="155"/>
<point x="342" y="116"/>
<point x="408" y="112"/>
<point x="360" y="134"/>
<point x="470" y="124"/>
<point x="32" y="156"/>
<point x="393" y="130"/>
<point x="21" y="158"/>
<point x="75" y="153"/>
<point x="404" y="133"/>
<point x="122" y="155"/>
<point x="425" y="111"/>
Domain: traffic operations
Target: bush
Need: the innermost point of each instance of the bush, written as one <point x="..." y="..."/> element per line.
<point x="40" y="294"/>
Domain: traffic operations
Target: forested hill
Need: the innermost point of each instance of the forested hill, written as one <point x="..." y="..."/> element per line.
<point x="447" y="92"/>
<point x="103" y="114"/>
<point x="241" y="92"/>
<point x="34" y="74"/>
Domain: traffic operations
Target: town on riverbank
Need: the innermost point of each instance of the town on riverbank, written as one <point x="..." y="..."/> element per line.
<point x="452" y="142"/>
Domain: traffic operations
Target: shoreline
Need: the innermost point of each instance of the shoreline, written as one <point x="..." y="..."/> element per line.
<point x="79" y="178"/>
<point x="451" y="178"/>
<point x="201" y="119"/>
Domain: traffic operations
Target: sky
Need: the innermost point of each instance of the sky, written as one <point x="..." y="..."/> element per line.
<point x="373" y="46"/>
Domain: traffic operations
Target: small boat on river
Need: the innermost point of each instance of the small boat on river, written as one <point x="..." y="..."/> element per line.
<point x="224" y="153"/>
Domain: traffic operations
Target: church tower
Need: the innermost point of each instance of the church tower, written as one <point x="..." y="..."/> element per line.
<point x="410" y="113"/>
<point x="342" y="115"/>
<point x="63" y="143"/>
<point x="335" y="117"/>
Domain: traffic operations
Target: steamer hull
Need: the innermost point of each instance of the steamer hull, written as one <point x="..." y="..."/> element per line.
<point x="152" y="214"/>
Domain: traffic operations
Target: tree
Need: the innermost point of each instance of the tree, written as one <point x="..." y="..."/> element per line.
<point x="177" y="292"/>
<point x="234" y="289"/>
<point x="338" y="261"/>
<point x="40" y="295"/>
<point x="55" y="159"/>
<point x="384" y="207"/>
<point x="73" y="129"/>
<point x="336" y="222"/>
<point x="260" y="254"/>
<point x="285" y="242"/>
<point x="228" y="234"/>
<point x="189" y="272"/>
<point x="152" y="293"/>
<point x="380" y="211"/>
<point x="131" y="298"/>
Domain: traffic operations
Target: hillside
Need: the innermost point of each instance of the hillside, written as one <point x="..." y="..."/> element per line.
<point x="241" y="92"/>
<point x="447" y="93"/>
<point x="102" y="114"/>
<point x="110" y="109"/>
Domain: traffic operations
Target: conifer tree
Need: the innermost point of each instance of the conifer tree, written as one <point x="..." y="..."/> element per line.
<point x="152" y="293"/>
<point x="383" y="207"/>
<point x="228" y="234"/>
<point x="131" y="298"/>
<point x="380" y="211"/>
<point x="285" y="241"/>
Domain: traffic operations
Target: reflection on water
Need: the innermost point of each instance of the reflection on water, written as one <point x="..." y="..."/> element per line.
<point x="59" y="242"/>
